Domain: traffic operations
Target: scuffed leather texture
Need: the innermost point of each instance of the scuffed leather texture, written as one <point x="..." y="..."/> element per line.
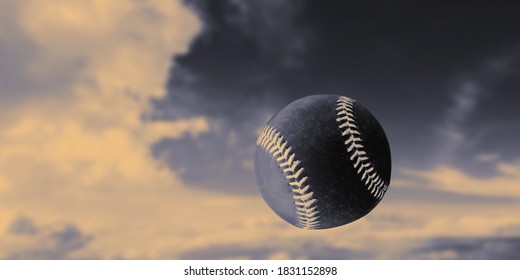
<point x="310" y="127"/>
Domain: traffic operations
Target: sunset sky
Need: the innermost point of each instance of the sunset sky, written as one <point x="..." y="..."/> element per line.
<point x="128" y="128"/>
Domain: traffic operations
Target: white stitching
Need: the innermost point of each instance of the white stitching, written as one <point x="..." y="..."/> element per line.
<point x="345" y="117"/>
<point x="274" y="144"/>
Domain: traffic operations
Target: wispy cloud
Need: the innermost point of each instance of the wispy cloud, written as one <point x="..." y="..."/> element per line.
<point x="290" y="250"/>
<point x="28" y="240"/>
<point x="505" y="183"/>
<point x="490" y="248"/>
<point x="466" y="97"/>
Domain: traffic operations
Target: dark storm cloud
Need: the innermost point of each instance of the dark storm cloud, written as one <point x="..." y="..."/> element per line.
<point x="228" y="75"/>
<point x="384" y="49"/>
<point x="401" y="59"/>
<point x="493" y="248"/>
<point x="242" y="56"/>
<point x="292" y="250"/>
<point x="471" y="124"/>
<point x="220" y="160"/>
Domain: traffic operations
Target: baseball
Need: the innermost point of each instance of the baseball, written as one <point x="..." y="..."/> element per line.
<point x="323" y="161"/>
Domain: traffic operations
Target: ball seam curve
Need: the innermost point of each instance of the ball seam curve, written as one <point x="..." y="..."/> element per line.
<point x="358" y="156"/>
<point x="306" y="205"/>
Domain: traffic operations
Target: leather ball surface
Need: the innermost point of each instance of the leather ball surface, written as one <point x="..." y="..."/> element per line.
<point x="322" y="161"/>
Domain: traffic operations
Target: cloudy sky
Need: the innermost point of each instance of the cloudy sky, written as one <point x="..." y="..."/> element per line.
<point x="128" y="129"/>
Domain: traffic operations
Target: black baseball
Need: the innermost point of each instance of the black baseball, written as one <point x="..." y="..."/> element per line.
<point x="323" y="161"/>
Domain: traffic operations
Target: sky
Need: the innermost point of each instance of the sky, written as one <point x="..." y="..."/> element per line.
<point x="128" y="129"/>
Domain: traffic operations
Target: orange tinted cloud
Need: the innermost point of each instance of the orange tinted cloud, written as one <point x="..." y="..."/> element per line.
<point x="81" y="155"/>
<point x="505" y="183"/>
